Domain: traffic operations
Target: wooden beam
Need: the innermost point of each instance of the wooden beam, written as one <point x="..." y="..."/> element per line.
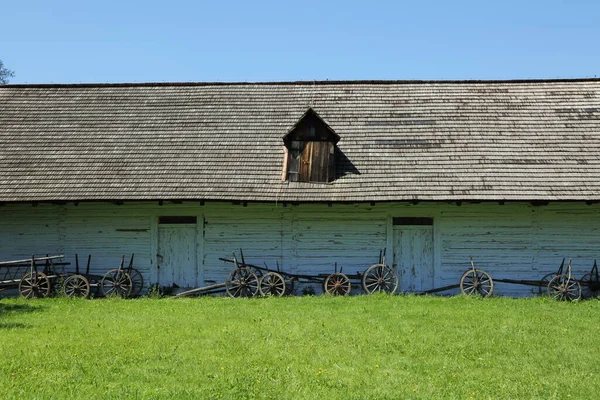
<point x="285" y="164"/>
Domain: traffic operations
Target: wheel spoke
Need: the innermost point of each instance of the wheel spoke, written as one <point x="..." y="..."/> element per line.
<point x="337" y="284"/>
<point x="116" y="282"/>
<point x="242" y="282"/>
<point x="76" y="286"/>
<point x="477" y="281"/>
<point x="237" y="291"/>
<point x="557" y="295"/>
<point x="382" y="273"/>
<point x="271" y="284"/>
<point x="564" y="287"/>
<point x="34" y="285"/>
<point x="379" y="278"/>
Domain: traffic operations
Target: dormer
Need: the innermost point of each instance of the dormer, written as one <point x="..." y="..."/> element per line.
<point x="310" y="150"/>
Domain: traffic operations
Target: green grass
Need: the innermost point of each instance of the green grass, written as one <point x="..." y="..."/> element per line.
<point x="300" y="347"/>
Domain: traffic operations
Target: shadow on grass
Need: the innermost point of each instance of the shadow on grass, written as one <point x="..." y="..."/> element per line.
<point x="10" y="310"/>
<point x="12" y="325"/>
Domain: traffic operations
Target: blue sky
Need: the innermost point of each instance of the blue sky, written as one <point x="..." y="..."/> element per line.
<point x="178" y="41"/>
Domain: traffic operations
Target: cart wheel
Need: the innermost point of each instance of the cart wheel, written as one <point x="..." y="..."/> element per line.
<point x="77" y="286"/>
<point x="137" y="282"/>
<point x="35" y="285"/>
<point x="564" y="288"/>
<point x="590" y="286"/>
<point x="116" y="282"/>
<point x="543" y="288"/>
<point x="476" y="281"/>
<point x="242" y="282"/>
<point x="337" y="284"/>
<point x="272" y="284"/>
<point x="380" y="278"/>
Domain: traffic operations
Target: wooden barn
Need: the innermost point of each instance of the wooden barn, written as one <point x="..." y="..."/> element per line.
<point x="306" y="175"/>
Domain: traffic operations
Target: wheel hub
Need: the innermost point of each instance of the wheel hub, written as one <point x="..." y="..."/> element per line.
<point x="563" y="289"/>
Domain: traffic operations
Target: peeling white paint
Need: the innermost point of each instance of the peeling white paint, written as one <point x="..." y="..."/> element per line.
<point x="515" y="241"/>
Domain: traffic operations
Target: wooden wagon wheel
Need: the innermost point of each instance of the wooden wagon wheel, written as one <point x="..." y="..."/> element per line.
<point x="272" y="284"/>
<point x="380" y="278"/>
<point x="565" y="288"/>
<point x="476" y="281"/>
<point x="590" y="286"/>
<point x="35" y="285"/>
<point x="242" y="282"/>
<point x="116" y="282"/>
<point x="77" y="286"/>
<point x="137" y="282"/>
<point x="337" y="284"/>
<point x="543" y="288"/>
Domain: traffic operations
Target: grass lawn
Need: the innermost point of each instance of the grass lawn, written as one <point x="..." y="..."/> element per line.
<point x="300" y="347"/>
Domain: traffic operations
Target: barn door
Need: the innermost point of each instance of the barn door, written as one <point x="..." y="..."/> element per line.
<point x="177" y="256"/>
<point x="315" y="162"/>
<point x="413" y="256"/>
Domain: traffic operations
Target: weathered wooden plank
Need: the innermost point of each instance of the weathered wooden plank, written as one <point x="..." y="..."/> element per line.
<point x="32" y="259"/>
<point x="510" y="242"/>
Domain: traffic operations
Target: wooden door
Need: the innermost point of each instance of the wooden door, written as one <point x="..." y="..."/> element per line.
<point x="413" y="257"/>
<point x="177" y="260"/>
<point x="316" y="162"/>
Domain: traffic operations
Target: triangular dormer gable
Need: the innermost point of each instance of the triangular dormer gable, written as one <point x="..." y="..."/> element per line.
<point x="310" y="146"/>
<point x="301" y="130"/>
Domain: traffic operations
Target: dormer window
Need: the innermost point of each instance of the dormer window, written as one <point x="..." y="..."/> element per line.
<point x="310" y="150"/>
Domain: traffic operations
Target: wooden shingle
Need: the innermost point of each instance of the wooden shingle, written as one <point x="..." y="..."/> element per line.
<point x="399" y="140"/>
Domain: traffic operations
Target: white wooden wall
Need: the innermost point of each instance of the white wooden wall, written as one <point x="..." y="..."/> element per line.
<point x="515" y="240"/>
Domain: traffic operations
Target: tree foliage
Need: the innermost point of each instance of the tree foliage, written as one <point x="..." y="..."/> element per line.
<point x="5" y="74"/>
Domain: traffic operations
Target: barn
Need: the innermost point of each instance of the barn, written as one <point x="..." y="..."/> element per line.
<point x="306" y="175"/>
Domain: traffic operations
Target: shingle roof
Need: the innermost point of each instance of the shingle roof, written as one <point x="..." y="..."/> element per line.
<point x="399" y="140"/>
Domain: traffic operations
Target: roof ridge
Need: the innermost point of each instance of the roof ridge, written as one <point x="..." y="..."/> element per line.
<point x="314" y="82"/>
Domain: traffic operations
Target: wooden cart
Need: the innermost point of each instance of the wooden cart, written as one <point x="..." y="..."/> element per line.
<point x="559" y="285"/>
<point x="122" y="281"/>
<point x="33" y="277"/>
<point x="39" y="277"/>
<point x="248" y="280"/>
